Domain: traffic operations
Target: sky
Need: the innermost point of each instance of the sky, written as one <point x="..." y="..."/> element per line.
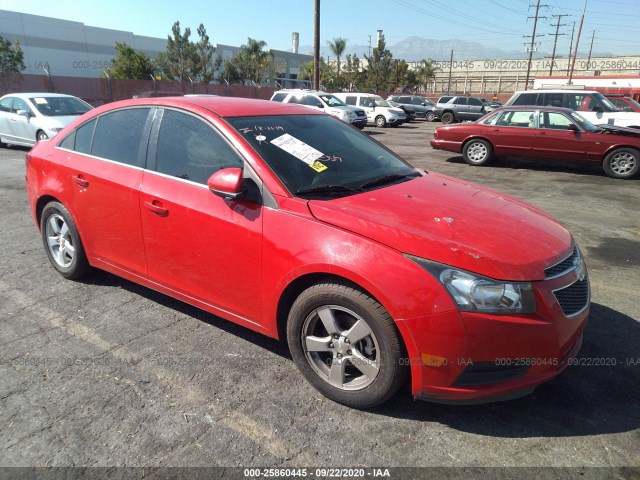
<point x="493" y="23"/>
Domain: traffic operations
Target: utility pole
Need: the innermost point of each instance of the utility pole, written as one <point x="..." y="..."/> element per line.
<point x="555" y="42"/>
<point x="316" y="48"/>
<point x="533" y="40"/>
<point x="369" y="46"/>
<point x="590" y="49"/>
<point x="570" y="47"/>
<point x="450" y="67"/>
<point x="575" y="51"/>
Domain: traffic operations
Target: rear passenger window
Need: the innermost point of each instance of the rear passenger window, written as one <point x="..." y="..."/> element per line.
<point x="279" y="97"/>
<point x="350" y="100"/>
<point x="554" y="99"/>
<point x="526" y="99"/>
<point x="118" y="136"/>
<point x="191" y="149"/>
<point x="84" y="134"/>
<point x="460" y="101"/>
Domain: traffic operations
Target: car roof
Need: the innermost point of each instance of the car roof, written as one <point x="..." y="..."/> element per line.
<point x="302" y="90"/>
<point x="547" y="108"/>
<point x="37" y="94"/>
<point x="556" y="90"/>
<point x="220" y="106"/>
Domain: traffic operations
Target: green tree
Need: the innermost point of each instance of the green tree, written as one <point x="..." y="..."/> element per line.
<point x="130" y="64"/>
<point x="177" y="61"/>
<point x="352" y="74"/>
<point x="203" y="67"/>
<point x="11" y="61"/>
<point x="338" y="46"/>
<point x="251" y="63"/>
<point x="380" y="67"/>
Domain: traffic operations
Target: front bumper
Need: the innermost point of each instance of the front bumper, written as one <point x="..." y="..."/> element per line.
<point x="484" y="358"/>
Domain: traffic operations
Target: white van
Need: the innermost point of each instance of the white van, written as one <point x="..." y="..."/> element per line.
<point x="379" y="111"/>
<point x="592" y="105"/>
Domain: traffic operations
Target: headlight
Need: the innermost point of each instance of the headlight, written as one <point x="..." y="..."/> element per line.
<point x="475" y="293"/>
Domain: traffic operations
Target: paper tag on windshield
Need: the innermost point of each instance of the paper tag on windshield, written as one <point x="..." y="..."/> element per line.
<point x="40" y="100"/>
<point x="297" y="148"/>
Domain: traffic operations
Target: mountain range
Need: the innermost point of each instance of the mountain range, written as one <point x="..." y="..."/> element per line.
<point x="418" y="48"/>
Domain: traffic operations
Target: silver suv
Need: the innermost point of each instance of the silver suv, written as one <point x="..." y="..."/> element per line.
<point x="325" y="102"/>
<point x="459" y="108"/>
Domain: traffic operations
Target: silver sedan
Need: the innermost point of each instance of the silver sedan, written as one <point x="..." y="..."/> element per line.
<point x="29" y="117"/>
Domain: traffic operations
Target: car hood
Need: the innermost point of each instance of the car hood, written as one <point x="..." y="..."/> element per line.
<point x="613" y="129"/>
<point x="454" y="222"/>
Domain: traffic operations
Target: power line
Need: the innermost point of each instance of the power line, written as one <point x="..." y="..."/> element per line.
<point x="533" y="39"/>
<point x="555" y="41"/>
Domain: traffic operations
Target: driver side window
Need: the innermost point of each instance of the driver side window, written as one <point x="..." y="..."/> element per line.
<point x="191" y="149"/>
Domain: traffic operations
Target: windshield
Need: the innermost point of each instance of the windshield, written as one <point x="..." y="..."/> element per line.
<point x="584" y="123"/>
<point x="610" y="107"/>
<point x="60" y="106"/>
<point x="332" y="101"/>
<point x="318" y="156"/>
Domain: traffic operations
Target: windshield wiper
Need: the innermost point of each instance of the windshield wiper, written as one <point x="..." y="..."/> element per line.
<point x="328" y="190"/>
<point x="386" y="179"/>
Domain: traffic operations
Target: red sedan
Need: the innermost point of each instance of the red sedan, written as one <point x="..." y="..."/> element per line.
<point x="549" y="133"/>
<point x="294" y="224"/>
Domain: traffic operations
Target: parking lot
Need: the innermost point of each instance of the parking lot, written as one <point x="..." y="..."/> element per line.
<point x="104" y="372"/>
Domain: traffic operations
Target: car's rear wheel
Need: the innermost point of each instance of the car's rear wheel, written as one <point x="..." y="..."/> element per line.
<point x="62" y="241"/>
<point x="381" y="121"/>
<point x="477" y="152"/>
<point x="346" y="345"/>
<point x="622" y="163"/>
<point x="430" y="117"/>
<point x="40" y="136"/>
<point x="447" y="117"/>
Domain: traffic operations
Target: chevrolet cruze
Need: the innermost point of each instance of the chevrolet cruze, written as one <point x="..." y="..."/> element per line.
<point x="294" y="224"/>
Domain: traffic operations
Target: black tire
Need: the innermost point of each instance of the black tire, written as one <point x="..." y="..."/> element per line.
<point x="62" y="242"/>
<point x="622" y="163"/>
<point x="477" y="152"/>
<point x="360" y="374"/>
<point x="447" y="118"/>
<point x="40" y="136"/>
<point x="430" y="117"/>
<point x="381" y="121"/>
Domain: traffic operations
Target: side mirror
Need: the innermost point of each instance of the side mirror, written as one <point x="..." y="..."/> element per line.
<point x="572" y="127"/>
<point x="597" y="109"/>
<point x="24" y="113"/>
<point x="226" y="183"/>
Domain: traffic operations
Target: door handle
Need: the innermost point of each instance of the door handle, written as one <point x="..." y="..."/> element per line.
<point x="80" y="180"/>
<point x="156" y="207"/>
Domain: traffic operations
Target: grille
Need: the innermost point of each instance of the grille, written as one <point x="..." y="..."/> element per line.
<point x="574" y="298"/>
<point x="564" y="266"/>
<point x="360" y="113"/>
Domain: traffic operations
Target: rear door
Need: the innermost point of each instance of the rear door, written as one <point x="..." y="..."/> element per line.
<point x="512" y="132"/>
<point x="197" y="243"/>
<point x="105" y="162"/>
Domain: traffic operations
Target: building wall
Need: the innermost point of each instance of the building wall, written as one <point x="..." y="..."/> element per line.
<point x="73" y="49"/>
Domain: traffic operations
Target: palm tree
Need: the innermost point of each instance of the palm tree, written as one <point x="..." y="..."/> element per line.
<point x="426" y="71"/>
<point x="338" y="46"/>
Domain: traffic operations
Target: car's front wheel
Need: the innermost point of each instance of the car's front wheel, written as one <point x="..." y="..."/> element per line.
<point x="622" y="163"/>
<point x="447" y="118"/>
<point x="381" y="121"/>
<point x="62" y="241"/>
<point x="346" y="345"/>
<point x="40" y="136"/>
<point x="430" y="117"/>
<point x="477" y="152"/>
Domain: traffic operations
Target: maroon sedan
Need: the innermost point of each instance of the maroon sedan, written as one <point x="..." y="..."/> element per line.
<point x="548" y="133"/>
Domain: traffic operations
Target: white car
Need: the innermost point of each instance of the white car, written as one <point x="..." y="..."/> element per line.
<point x="26" y="118"/>
<point x="379" y="111"/>
<point x="325" y="102"/>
